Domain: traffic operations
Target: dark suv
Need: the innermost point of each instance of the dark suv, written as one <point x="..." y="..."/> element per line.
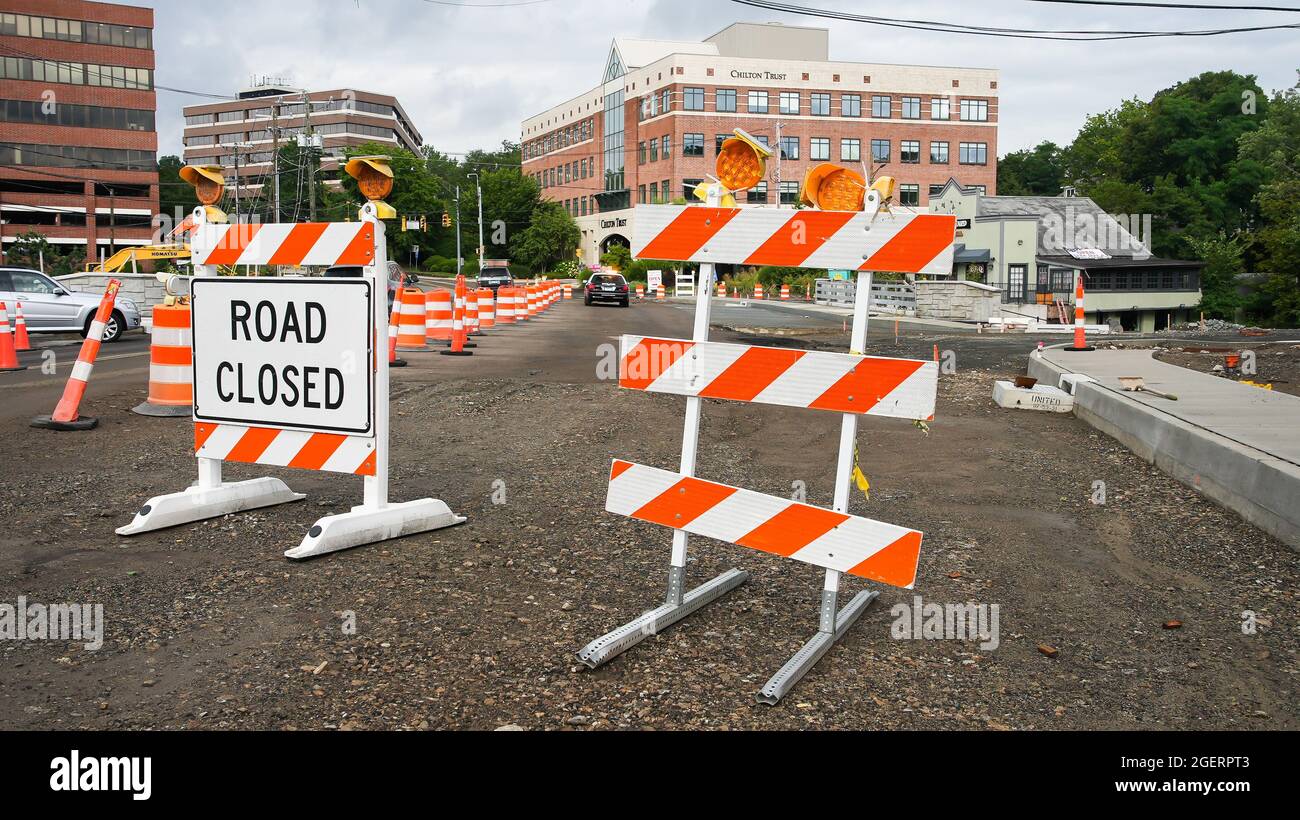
<point x="495" y="277"/>
<point x="606" y="287"/>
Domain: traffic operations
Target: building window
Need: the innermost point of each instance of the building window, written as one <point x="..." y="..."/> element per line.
<point x="666" y="100"/>
<point x="911" y="108"/>
<point x="688" y="188"/>
<point x="640" y="194"/>
<point x="1017" y="275"/>
<point x="819" y="148"/>
<point x="789" y="102"/>
<point x="851" y="105"/>
<point x="975" y="110"/>
<point x="654" y="193"/>
<point x="667" y="146"/>
<point x="936" y="189"/>
<point x="693" y="99"/>
<point x="692" y="145"/>
<point x="909" y="151"/>
<point x="909" y="194"/>
<point x="718" y="139"/>
<point x="880" y="150"/>
<point x="973" y="153"/>
<point x="939" y="153"/>
<point x="939" y="108"/>
<point x="82" y="116"/>
<point x="788" y="193"/>
<point x="758" y="102"/>
<point x="851" y="149"/>
<point x="725" y="99"/>
<point x="789" y="148"/>
<point x="820" y="103"/>
<point x="654" y="150"/>
<point x="880" y="106"/>
<point x="758" y="194"/>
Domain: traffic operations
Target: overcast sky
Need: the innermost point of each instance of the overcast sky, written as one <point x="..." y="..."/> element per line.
<point x="467" y="75"/>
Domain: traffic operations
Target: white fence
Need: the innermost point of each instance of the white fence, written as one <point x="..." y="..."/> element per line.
<point x="895" y="297"/>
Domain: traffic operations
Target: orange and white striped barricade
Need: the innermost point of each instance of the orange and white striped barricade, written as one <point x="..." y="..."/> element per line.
<point x="411" y="321"/>
<point x="65" y="415"/>
<point x="459" y="331"/>
<point x="785" y="293"/>
<point x="505" y="308"/>
<point x="533" y="298"/>
<point x="288" y="372"/>
<point x="171" y="372"/>
<point x="437" y="316"/>
<point x="393" y="322"/>
<point x="1080" y="338"/>
<point x="487" y="314"/>
<point x="8" y="353"/>
<point x="471" y="312"/>
<point x="847" y="383"/>
<point x="22" y="341"/>
<point x="568" y="291"/>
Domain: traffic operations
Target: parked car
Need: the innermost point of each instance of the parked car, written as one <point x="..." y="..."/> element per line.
<point x="606" y="287"/>
<point x="396" y="277"/>
<point x="49" y="307"/>
<point x="494" y="274"/>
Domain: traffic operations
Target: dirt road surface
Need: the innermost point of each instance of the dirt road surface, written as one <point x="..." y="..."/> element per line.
<point x="208" y="626"/>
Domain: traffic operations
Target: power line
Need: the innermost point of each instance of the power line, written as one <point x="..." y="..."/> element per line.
<point x="993" y="31"/>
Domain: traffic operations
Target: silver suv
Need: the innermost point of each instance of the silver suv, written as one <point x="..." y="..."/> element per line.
<point x="48" y="307"/>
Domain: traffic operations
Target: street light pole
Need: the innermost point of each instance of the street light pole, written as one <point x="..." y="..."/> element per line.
<point x="458" y="257"/>
<point x="479" y="187"/>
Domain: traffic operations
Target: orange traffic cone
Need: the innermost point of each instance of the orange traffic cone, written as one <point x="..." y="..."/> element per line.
<point x="8" y="355"/>
<point x="393" y="322"/>
<point x="65" y="415"/>
<point x="21" y="341"/>
<point x="458" y="334"/>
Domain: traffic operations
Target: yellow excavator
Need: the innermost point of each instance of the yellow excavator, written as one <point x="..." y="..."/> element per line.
<point x="140" y="253"/>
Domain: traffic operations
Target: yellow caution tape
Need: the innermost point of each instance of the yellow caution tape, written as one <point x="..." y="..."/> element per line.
<point x="859" y="477"/>
<point x="1268" y="386"/>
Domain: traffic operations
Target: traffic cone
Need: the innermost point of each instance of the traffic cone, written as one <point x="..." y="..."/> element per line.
<point x="65" y="415"/>
<point x="21" y="341"/>
<point x="8" y="355"/>
<point x="458" y="343"/>
<point x="393" y="321"/>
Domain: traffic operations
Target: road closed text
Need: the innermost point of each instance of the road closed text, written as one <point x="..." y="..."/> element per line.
<point x="283" y="352"/>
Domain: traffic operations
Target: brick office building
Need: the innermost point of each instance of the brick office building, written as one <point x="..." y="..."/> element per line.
<point x="649" y="132"/>
<point x="78" y="148"/>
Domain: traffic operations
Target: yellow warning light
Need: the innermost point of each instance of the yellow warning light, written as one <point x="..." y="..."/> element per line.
<point x="701" y="193"/>
<point x="373" y="175"/>
<point x="832" y="188"/>
<point x="885" y="186"/>
<point x="742" y="161"/>
<point x="209" y="184"/>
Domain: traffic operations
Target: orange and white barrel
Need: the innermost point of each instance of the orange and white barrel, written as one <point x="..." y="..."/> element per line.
<point x="758" y="290"/>
<point x="640" y="291"/>
<point x="722" y="290"/>
<point x="505" y="307"/>
<point x="568" y="291"/>
<point x="785" y="293"/>
<point x="171" y="363"/>
<point x="411" y="322"/>
<point x="486" y="308"/>
<point x="659" y="294"/>
<point x="531" y="300"/>
<point x="437" y="315"/>
<point x="471" y="311"/>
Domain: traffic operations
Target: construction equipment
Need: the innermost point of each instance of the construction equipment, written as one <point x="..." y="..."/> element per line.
<point x="140" y="253"/>
<point x="1135" y="384"/>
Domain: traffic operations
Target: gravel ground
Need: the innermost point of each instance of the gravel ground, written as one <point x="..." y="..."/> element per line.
<point x="476" y="626"/>
<point x="1276" y="363"/>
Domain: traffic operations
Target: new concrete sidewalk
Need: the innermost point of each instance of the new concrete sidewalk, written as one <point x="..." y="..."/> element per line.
<point x="1239" y="445"/>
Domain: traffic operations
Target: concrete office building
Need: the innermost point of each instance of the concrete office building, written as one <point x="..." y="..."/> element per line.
<point x="216" y="132"/>
<point x="78" y="150"/>
<point x="649" y="131"/>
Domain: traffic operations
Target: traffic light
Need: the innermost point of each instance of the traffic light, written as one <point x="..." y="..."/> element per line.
<point x="446" y="220"/>
<point x="375" y="179"/>
<point x="424" y="223"/>
<point x="402" y="220"/>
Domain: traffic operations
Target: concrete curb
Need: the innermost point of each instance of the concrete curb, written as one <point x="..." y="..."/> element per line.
<point x="1259" y="487"/>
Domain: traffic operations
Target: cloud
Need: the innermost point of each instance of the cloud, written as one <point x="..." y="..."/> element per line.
<point x="468" y="76"/>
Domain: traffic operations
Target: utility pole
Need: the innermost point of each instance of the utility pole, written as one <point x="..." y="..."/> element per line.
<point x="778" y="163"/>
<point x="479" y="187"/>
<point x="112" y="223"/>
<point x="458" y="256"/>
<point x="275" y="153"/>
<point x="311" y="155"/>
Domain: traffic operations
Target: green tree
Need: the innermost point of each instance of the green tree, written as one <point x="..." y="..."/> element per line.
<point x="550" y="239"/>
<point x="1036" y="171"/>
<point x="175" y="196"/>
<point x="1222" y="257"/>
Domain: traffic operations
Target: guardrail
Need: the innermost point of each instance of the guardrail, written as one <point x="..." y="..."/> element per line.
<point x="897" y="297"/>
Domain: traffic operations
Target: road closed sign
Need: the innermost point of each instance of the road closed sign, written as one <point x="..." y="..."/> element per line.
<point x="284" y="352"/>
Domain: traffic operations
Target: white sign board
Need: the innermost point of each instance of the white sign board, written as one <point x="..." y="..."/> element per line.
<point x="1087" y="253"/>
<point x="284" y="352"/>
<point x="653" y="280"/>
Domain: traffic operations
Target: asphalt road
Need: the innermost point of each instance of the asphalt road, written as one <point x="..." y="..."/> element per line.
<point x="34" y="391"/>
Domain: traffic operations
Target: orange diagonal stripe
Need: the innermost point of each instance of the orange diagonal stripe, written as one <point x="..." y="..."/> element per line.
<point x="252" y="444"/>
<point x="616" y="469"/>
<point x="648" y="360"/>
<point x="234" y="241"/>
<point x="792" y="529"/>
<point x="796" y="240"/>
<point x="895" y="564"/>
<point x="687" y="233"/>
<point x="317" y="450"/>
<point x="748" y="375"/>
<point x="368" y="466"/>
<point x="683" y="502"/>
<point x="874" y="380"/>
<point x="201" y="433"/>
<point x="361" y="250"/>
<point x="295" y="246"/>
<point x="912" y="248"/>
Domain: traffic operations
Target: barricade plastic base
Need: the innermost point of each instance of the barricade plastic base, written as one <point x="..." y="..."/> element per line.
<point x="48" y="423"/>
<point x="366" y="525"/>
<point x="163" y="410"/>
<point x="196" y="503"/>
<point x="656" y="620"/>
<point x="806" y="658"/>
<point x="13" y="369"/>
<point x="397" y="363"/>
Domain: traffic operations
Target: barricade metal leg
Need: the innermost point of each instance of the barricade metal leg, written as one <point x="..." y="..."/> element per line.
<point x="208" y="498"/>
